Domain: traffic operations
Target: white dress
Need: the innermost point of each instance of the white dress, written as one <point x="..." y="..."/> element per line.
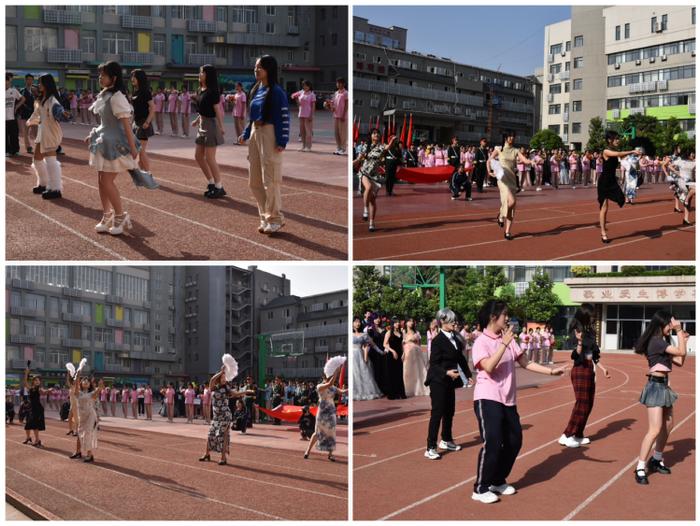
<point x="121" y="109"/>
<point x="87" y="422"/>
<point x="363" y="385"/>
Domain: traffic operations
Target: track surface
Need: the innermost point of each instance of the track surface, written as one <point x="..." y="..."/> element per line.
<point x="422" y="223"/>
<point x="174" y="222"/>
<point x="156" y="476"/>
<point x="392" y="479"/>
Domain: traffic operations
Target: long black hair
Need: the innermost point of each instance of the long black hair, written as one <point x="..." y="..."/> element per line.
<point x="211" y="79"/>
<point x="269" y="64"/>
<point x="142" y="79"/>
<point x="658" y="321"/>
<point x="583" y="319"/>
<point x="114" y="70"/>
<point x="491" y="309"/>
<point x="50" y="89"/>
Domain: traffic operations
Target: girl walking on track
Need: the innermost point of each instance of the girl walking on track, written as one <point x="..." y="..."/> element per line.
<point x="657" y="396"/>
<point x="144" y="113"/>
<point x="586" y="357"/>
<point x="35" y="419"/>
<point x="608" y="187"/>
<point x="210" y="133"/>
<point x="494" y="354"/>
<point x="268" y="132"/>
<point x="324" y="434"/>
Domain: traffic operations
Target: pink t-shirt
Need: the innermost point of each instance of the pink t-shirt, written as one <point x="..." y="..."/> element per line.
<point x="74" y="102"/>
<point x="206" y="396"/>
<point x="148" y="396"/>
<point x="524" y="340"/>
<point x="340" y="102"/>
<point x="572" y="163"/>
<point x="103" y="396"/>
<point x="306" y="101"/>
<point x="158" y="100"/>
<point x="134" y="395"/>
<point x="544" y="339"/>
<point x="113" y="395"/>
<point x="239" y="100"/>
<point x="184" y="102"/>
<point x="498" y="386"/>
<point x="189" y="396"/>
<point x="172" y="102"/>
<point x="125" y="396"/>
<point x="169" y="395"/>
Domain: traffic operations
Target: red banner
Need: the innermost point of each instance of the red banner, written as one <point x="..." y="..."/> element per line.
<point x="292" y="413"/>
<point x="437" y="174"/>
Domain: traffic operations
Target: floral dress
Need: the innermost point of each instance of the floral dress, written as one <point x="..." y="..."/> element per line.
<point x="221" y="419"/>
<point x="371" y="165"/>
<point x="325" y="420"/>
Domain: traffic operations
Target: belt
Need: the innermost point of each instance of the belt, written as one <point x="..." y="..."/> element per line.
<point x="657" y="379"/>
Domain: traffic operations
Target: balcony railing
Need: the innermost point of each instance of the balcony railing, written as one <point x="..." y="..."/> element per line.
<point x="253" y="28"/>
<point x="137" y="22"/>
<point x="64" y="56"/>
<point x="642" y="87"/>
<point x="111" y="346"/>
<point x="564" y="75"/>
<point x="60" y="16"/>
<point x="198" y="59"/>
<point x="75" y="342"/>
<point x="112" y="322"/>
<point x="402" y="90"/>
<point x="81" y="318"/>
<point x="201" y="26"/>
<point x="25" y="338"/>
<point x="293" y="30"/>
<point x="26" y="311"/>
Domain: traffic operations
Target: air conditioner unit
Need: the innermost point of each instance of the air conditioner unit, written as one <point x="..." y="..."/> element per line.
<point x="692" y="53"/>
<point x="664" y="58"/>
<point x="550" y="77"/>
<point x="662" y="85"/>
<point x="652" y="60"/>
<point x="637" y="62"/>
<point x="617" y="66"/>
<point x="550" y="58"/>
<point x="658" y="28"/>
<point x="563" y="53"/>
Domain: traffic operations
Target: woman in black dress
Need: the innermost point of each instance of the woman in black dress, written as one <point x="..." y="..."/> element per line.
<point x="608" y="187"/>
<point x="376" y="333"/>
<point x="35" y="418"/>
<point x="393" y="344"/>
<point x="144" y="113"/>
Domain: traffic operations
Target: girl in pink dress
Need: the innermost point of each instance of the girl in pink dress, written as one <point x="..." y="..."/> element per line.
<point x="586" y="167"/>
<point x="554" y="169"/>
<point x="73" y="108"/>
<point x="524" y="338"/>
<point x="306" y="99"/>
<point x="440" y="156"/>
<point x="125" y="401"/>
<point x="537" y="339"/>
<point x="148" y="402"/>
<point x="539" y="163"/>
<point x="421" y="156"/>
<point x="83" y="105"/>
<point x="184" y="103"/>
<point x="239" y="109"/>
<point x="169" y="394"/>
<point x="429" y="158"/>
<point x="189" y="402"/>
<point x="206" y="404"/>
<point x="573" y="169"/>
<point x="134" y="401"/>
<point x="159" y="102"/>
<point x="113" y="400"/>
<point x="523" y="175"/>
<point x="546" y="347"/>
<point x="531" y="346"/>
<point x="172" y="111"/>
<point x="103" y="400"/>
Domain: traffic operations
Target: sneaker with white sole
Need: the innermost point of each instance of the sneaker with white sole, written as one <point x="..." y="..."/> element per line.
<point x="271" y="228"/>
<point x="487" y="498"/>
<point x="570" y="442"/>
<point x="431" y="454"/>
<point x="503" y="489"/>
<point x="262" y="227"/>
<point x="583" y="441"/>
<point x="449" y="446"/>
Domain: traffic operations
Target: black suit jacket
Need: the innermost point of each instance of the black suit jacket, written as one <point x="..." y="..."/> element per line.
<point x="445" y="357"/>
<point x="453" y="156"/>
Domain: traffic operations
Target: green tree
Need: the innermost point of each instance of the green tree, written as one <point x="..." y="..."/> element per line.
<point x="546" y="139"/>
<point x="539" y="302"/>
<point x="368" y="285"/>
<point x="667" y="136"/>
<point x="581" y="271"/>
<point x="596" y="135"/>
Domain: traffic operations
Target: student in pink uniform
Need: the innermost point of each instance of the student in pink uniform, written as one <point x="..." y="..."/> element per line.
<point x="586" y="167"/>
<point x="306" y="99"/>
<point x="537" y="336"/>
<point x="125" y="400"/>
<point x="239" y="109"/>
<point x="339" y="106"/>
<point x="495" y="354"/>
<point x="172" y="111"/>
<point x="524" y="341"/>
<point x="113" y="400"/>
<point x="432" y="332"/>
<point x="554" y="168"/>
<point x="184" y="103"/>
<point x="206" y="404"/>
<point x="148" y="402"/>
<point x="189" y="402"/>
<point x="170" y="401"/>
<point x="523" y="175"/>
<point x="598" y="168"/>
<point x="159" y="102"/>
<point x="573" y="169"/>
<point x="103" y="400"/>
<point x="73" y="107"/>
<point x="134" y="401"/>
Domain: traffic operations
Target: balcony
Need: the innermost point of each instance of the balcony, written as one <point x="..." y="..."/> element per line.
<point x="79" y="318"/>
<point x="73" y="293"/>
<point x="564" y="75"/>
<point x="637" y="111"/>
<point x="252" y="28"/>
<point x="201" y="26"/>
<point x="199" y="59"/>
<point x="23" y="284"/>
<point x="25" y="338"/>
<point x="402" y="90"/>
<point x="322" y="348"/>
<point x="642" y="87"/>
<point x="111" y="346"/>
<point x="140" y="326"/>
<point x="75" y="342"/>
<point x="64" y="56"/>
<point x="115" y="368"/>
<point x="137" y="22"/>
<point x="112" y="322"/>
<point x="293" y="30"/>
<point x="550" y="59"/>
<point x="60" y="16"/>
<point x="26" y="311"/>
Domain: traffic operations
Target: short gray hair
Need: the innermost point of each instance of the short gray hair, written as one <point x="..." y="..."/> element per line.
<point x="446" y="316"/>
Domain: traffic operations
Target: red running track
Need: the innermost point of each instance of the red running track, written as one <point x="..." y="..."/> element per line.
<point x="156" y="476"/>
<point x="422" y="223"/>
<point x="175" y="222"/>
<point x="392" y="479"/>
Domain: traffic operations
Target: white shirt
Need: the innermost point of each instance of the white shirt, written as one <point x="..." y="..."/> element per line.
<point x="11" y="98"/>
<point x="450" y="336"/>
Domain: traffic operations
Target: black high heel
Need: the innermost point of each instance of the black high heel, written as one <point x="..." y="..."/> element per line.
<point x="677" y="210"/>
<point x="331" y="458"/>
<point x="687" y="223"/>
<point x="222" y="462"/>
<point x="205" y="458"/>
<point x="499" y="220"/>
<point x="28" y="441"/>
<point x="508" y="236"/>
<point x="76" y="455"/>
<point x="89" y="459"/>
<point x="37" y="444"/>
<point x="605" y="239"/>
<point x="306" y="455"/>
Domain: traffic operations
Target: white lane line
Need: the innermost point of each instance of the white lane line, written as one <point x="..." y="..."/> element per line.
<point x="471" y="245"/>
<point x="80" y="235"/>
<point x="610" y="482"/>
<point x="622" y="244"/>
<point x="476" y="432"/>
<point x="471" y="479"/>
<point x="193" y="222"/>
<point x="165" y="486"/>
<point x="72" y="497"/>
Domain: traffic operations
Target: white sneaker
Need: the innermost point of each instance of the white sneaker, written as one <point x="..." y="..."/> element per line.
<point x="449" y="446"/>
<point x="271" y="228"/>
<point x="487" y="498"/>
<point x="431" y="454"/>
<point x="583" y="441"/>
<point x="562" y="440"/>
<point x="503" y="489"/>
<point x="570" y="442"/>
<point x="262" y="227"/>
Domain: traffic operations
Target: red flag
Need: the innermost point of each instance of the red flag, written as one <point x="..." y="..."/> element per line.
<point x="410" y="132"/>
<point x="403" y="130"/>
<point x="357" y="130"/>
<point x="377" y="126"/>
<point x="341" y="382"/>
<point x="384" y="135"/>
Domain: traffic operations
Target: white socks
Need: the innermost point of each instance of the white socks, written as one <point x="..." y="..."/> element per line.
<point x="219" y="185"/>
<point x="658" y="455"/>
<point x="54" y="172"/>
<point x="42" y="175"/>
<point x="641" y="465"/>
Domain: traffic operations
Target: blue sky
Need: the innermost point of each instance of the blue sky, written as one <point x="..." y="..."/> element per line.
<point x="509" y="36"/>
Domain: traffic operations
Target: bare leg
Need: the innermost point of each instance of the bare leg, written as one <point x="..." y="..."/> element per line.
<point x="312" y="441"/>
<point x="144" y="162"/>
<point x="510" y="216"/>
<point x="109" y="193"/>
<point x="656" y="416"/>
<point x="210" y="157"/>
<point x="200" y="157"/>
<point x="603" y="216"/>
<point x="666" y="426"/>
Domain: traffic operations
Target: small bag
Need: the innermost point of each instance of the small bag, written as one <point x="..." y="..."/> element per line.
<point x="143" y="178"/>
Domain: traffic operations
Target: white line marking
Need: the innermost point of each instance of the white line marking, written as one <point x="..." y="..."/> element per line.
<point x="53" y="488"/>
<point x="610" y="482"/>
<point x="82" y="236"/>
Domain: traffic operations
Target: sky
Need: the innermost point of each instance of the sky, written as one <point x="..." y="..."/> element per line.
<point x="509" y="36"/>
<point x="310" y="279"/>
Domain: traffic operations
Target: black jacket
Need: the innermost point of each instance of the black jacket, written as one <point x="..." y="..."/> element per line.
<point x="445" y="357"/>
<point x="453" y="156"/>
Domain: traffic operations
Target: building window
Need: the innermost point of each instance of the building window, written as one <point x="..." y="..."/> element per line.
<point x="577" y="105"/>
<point x="244" y="15"/>
<point x="38" y="39"/>
<point x="270" y="28"/>
<point x="159" y="45"/>
<point x="617" y="32"/>
<point x="88" y="42"/>
<point x="578" y="84"/>
<point x="664" y="22"/>
<point x="114" y="43"/>
<point x="566" y="87"/>
<point x="555" y="49"/>
<point x="334" y="39"/>
<point x="270" y="10"/>
<point x="692" y="16"/>
<point x="578" y="41"/>
<point x="554" y="68"/>
<point x="554" y="127"/>
<point x="578" y="62"/>
<point x="568" y="45"/>
<point x="221" y="14"/>
<point x="177" y="11"/>
<point x="555" y="88"/>
<point x="290" y="56"/>
<point x="11" y="39"/>
<point x="335" y="12"/>
<point x="190" y="45"/>
<point x="627" y="30"/>
<point x="554" y="109"/>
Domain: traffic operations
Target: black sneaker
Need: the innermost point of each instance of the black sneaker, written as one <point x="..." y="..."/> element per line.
<point x="640" y="476"/>
<point x="216" y="193"/>
<point x="657" y="466"/>
<point x="29" y="150"/>
<point x="51" y="194"/>
<point x="210" y="189"/>
<point x="39" y="189"/>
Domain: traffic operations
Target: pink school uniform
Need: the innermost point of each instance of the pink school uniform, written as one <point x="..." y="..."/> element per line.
<point x="306" y="101"/>
<point x="189" y="396"/>
<point x="172" y="102"/>
<point x="239" y="102"/>
<point x="125" y="396"/>
<point x="184" y="100"/>
<point x="113" y="395"/>
<point x="554" y="164"/>
<point x="340" y="102"/>
<point x="158" y="100"/>
<point x="498" y="386"/>
<point x="148" y="396"/>
<point x="169" y="395"/>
